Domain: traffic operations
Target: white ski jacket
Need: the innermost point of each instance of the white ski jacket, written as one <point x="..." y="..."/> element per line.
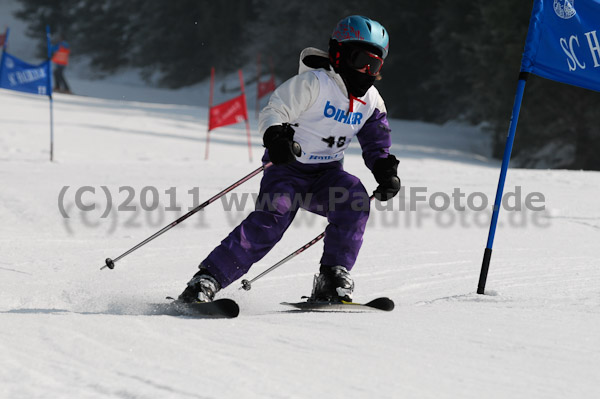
<point x="328" y="118"/>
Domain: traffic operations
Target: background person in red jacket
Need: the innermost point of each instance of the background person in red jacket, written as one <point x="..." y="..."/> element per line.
<point x="60" y="58"/>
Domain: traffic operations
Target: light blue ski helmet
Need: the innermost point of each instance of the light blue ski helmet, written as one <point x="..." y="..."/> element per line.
<point x="357" y="28"/>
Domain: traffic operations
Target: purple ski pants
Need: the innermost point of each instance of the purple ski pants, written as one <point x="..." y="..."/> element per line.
<point x="324" y="189"/>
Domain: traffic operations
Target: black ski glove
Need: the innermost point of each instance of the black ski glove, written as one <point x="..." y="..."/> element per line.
<point x="278" y="139"/>
<point x="385" y="171"/>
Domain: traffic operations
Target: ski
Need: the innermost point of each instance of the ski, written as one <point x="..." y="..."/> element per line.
<point x="220" y="308"/>
<point x="384" y="304"/>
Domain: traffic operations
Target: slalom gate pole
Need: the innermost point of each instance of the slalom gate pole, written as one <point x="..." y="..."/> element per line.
<point x="51" y="129"/>
<point x="487" y="255"/>
<point x="110" y="263"/>
<point x="49" y="92"/>
<point x="247" y="284"/>
<point x="210" y="104"/>
<point x="257" y="84"/>
<point x="247" y="122"/>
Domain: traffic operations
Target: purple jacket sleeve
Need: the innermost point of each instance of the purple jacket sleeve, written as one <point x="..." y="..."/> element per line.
<point x="374" y="138"/>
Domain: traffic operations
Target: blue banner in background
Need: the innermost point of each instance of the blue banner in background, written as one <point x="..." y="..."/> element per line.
<point x="563" y="42"/>
<point x="21" y="76"/>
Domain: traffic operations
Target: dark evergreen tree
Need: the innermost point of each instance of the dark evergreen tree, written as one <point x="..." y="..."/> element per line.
<point x="39" y="13"/>
<point x="180" y="40"/>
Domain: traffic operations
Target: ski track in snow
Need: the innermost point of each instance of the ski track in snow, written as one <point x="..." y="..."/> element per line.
<point x="71" y="330"/>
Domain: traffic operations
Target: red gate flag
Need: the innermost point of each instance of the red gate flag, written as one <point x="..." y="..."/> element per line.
<point x="228" y="113"/>
<point x="3" y="37"/>
<point x="267" y="87"/>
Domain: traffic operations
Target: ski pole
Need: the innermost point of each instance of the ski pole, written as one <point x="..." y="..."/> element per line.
<point x="247" y="285"/>
<point x="110" y="263"/>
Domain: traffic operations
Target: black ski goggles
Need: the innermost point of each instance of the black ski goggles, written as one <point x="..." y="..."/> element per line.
<point x="360" y="58"/>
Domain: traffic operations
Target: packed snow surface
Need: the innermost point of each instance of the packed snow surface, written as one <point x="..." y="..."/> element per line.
<point x="71" y="330"/>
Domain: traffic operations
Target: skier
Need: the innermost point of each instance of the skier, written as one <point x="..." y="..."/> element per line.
<point x="330" y="101"/>
<point x="60" y="57"/>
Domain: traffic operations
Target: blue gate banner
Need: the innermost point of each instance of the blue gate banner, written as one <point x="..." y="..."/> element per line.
<point x="21" y="76"/>
<point x="563" y="44"/>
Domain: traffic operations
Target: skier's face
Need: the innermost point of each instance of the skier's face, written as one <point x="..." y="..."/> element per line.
<point x="359" y="67"/>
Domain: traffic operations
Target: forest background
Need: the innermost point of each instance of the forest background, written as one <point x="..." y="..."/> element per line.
<point x="449" y="59"/>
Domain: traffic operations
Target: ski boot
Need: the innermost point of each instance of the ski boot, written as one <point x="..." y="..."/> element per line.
<point x="332" y="284"/>
<point x="201" y="288"/>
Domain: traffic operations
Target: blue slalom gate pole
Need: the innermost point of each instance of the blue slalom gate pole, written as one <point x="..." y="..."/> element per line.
<point x="49" y="92"/>
<point x="487" y="255"/>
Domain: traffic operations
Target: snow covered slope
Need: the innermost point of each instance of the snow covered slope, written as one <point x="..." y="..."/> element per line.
<point x="70" y="330"/>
